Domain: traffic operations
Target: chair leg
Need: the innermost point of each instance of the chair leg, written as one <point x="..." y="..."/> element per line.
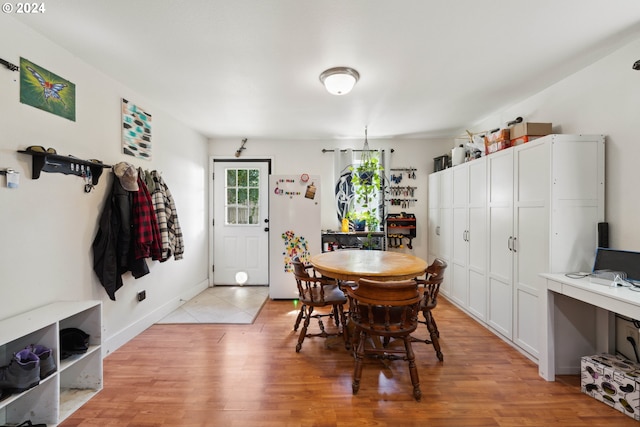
<point x="345" y="329"/>
<point x="337" y="309"/>
<point x="413" y="370"/>
<point x="354" y="337"/>
<point x="433" y="321"/>
<point x="359" y="355"/>
<point x="433" y="331"/>
<point x="305" y="326"/>
<point x="299" y="318"/>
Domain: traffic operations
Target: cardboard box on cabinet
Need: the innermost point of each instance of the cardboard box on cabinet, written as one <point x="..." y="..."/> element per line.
<point x="523" y="139"/>
<point x="529" y="129"/>
<point x="612" y="380"/>
<point x="496" y="141"/>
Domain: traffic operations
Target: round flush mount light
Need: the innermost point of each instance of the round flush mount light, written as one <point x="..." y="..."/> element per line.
<point x="339" y="80"/>
<point x="241" y="277"/>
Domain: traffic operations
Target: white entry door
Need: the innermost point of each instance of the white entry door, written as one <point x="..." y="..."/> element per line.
<point x="240" y="222"/>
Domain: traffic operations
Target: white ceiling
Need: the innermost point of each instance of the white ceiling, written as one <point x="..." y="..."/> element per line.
<point x="249" y="68"/>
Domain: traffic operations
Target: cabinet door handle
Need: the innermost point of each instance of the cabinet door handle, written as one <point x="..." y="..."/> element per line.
<point x="467" y="235"/>
<point x="509" y="243"/>
<point x="438" y="230"/>
<point x="514" y="244"/>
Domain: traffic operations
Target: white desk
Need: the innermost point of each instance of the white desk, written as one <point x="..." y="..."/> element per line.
<point x="580" y="325"/>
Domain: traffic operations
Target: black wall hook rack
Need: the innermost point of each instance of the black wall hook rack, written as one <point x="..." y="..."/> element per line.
<point x="68" y="165"/>
<point x="9" y="65"/>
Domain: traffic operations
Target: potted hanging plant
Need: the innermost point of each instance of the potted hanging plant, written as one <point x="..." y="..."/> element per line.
<point x="366" y="180"/>
<point x="364" y="220"/>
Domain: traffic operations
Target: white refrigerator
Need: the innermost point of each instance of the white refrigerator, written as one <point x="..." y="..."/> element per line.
<point x="294" y="229"/>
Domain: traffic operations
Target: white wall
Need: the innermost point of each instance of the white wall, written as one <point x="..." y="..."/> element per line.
<point x="306" y="156"/>
<point x="47" y="226"/>
<point x="603" y="98"/>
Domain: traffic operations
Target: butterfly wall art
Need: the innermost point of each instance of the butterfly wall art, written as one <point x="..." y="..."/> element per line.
<point x="42" y="89"/>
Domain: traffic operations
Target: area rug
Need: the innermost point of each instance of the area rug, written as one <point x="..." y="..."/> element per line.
<point x="221" y="304"/>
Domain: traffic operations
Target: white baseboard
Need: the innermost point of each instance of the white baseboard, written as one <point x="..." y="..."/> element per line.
<point x="123" y="336"/>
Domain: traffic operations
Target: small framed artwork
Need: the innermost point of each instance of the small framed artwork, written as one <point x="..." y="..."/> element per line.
<point x="49" y="92"/>
<point x="136" y="131"/>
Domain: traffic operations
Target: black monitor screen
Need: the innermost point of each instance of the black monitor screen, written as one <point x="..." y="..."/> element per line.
<point x="615" y="260"/>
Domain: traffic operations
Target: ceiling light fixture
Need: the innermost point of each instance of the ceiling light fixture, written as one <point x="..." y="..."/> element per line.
<point x="339" y="80"/>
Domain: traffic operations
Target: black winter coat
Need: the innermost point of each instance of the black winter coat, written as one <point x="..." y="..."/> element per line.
<point x="111" y="244"/>
<point x="112" y="251"/>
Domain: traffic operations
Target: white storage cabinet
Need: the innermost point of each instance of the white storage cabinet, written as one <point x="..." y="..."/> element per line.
<point x="468" y="259"/>
<point x="77" y="378"/>
<point x="440" y="221"/>
<point x="543" y="202"/>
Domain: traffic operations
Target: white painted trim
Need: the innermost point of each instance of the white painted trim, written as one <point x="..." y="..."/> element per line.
<point x="120" y="338"/>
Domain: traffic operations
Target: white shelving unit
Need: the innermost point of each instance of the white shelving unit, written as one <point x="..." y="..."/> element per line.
<point x="77" y="378"/>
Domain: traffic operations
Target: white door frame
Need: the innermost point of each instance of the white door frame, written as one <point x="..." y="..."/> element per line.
<point x="268" y="160"/>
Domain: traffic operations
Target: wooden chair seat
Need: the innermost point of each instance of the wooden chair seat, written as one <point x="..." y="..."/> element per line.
<point x="329" y="294"/>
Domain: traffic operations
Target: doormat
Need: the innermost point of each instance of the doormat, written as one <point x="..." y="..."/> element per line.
<point x="221" y="304"/>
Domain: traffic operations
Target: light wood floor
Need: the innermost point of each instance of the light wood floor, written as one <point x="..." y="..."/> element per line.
<point x="250" y="375"/>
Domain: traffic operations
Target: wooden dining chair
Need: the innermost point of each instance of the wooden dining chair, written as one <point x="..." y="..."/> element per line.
<point x="314" y="292"/>
<point x="387" y="310"/>
<point x="430" y="286"/>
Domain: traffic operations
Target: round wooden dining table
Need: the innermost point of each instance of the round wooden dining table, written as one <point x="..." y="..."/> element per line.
<point x="351" y="265"/>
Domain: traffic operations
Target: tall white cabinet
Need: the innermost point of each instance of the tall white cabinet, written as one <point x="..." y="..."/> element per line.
<point x="77" y="379"/>
<point x="440" y="221"/>
<point x="468" y="237"/>
<point x="543" y="200"/>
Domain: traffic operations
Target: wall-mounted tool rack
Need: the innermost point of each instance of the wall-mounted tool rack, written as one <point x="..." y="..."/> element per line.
<point x="401" y="195"/>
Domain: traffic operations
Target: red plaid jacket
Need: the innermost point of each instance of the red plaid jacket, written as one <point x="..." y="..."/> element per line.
<point x="147" y="242"/>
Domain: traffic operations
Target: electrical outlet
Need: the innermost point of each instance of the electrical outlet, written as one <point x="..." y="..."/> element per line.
<point x="142" y="295"/>
<point x="631" y="331"/>
<point x="631" y="341"/>
<point x="625" y="328"/>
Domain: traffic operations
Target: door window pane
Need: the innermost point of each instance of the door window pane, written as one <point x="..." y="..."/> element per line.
<point x="231" y="177"/>
<point x="254" y="177"/>
<point x="242" y="196"/>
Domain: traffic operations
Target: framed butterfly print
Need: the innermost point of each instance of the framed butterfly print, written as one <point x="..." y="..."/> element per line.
<point x="47" y="91"/>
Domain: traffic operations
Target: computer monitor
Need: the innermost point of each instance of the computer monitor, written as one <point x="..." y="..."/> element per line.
<point x="617" y="260"/>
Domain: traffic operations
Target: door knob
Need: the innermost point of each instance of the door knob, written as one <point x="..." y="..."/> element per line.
<point x="266" y="229"/>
